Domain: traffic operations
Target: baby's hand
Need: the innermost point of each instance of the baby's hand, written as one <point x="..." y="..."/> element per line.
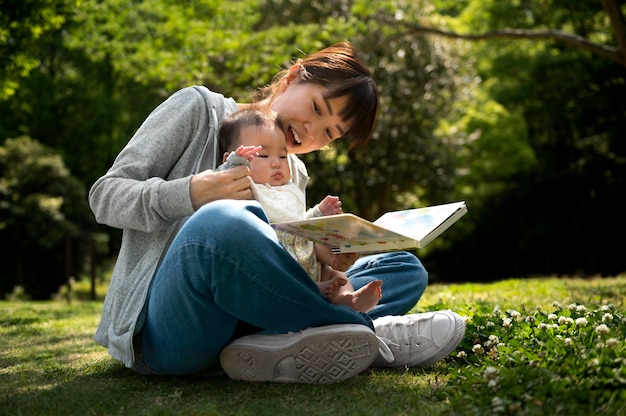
<point x="330" y="205"/>
<point x="248" y="152"/>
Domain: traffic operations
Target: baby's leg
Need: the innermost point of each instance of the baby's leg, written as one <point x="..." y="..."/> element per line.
<point x="337" y="289"/>
<point x="361" y="300"/>
<point x="331" y="282"/>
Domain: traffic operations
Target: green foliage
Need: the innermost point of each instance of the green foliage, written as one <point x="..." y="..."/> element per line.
<point x="42" y="209"/>
<point x="524" y="358"/>
<point x="541" y="176"/>
<point x="23" y="23"/>
<point x="503" y="124"/>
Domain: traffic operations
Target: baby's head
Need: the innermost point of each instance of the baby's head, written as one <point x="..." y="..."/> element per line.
<point x="257" y="126"/>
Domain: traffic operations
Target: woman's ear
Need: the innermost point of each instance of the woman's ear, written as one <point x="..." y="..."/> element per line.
<point x="292" y="75"/>
<point x="225" y="157"/>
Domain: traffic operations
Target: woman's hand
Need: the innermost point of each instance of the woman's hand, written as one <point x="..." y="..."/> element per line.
<point x="341" y="262"/>
<point x="208" y="186"/>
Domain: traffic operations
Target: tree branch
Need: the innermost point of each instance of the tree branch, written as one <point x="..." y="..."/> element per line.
<point x="611" y="7"/>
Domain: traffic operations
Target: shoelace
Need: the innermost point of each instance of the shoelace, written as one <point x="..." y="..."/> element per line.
<point x="384" y="350"/>
<point x="395" y="333"/>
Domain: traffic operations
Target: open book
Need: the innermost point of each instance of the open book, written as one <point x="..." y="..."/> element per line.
<point x="397" y="230"/>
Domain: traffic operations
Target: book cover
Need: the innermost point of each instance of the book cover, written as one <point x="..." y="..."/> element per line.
<point x="397" y="230"/>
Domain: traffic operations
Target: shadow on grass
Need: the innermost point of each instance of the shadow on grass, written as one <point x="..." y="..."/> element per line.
<point x="108" y="388"/>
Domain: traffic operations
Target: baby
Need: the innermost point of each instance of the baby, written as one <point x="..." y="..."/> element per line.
<point x="253" y="136"/>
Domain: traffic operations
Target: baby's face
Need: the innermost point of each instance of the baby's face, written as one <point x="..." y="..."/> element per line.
<point x="271" y="166"/>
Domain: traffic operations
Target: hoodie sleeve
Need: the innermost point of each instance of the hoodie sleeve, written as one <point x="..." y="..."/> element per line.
<point x="147" y="187"/>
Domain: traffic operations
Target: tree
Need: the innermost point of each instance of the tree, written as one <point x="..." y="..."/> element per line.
<point x="44" y="219"/>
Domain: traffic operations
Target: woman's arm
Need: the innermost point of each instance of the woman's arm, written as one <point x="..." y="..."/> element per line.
<point x="148" y="185"/>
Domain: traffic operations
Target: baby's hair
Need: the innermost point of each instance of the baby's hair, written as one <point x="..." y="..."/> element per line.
<point x="229" y="133"/>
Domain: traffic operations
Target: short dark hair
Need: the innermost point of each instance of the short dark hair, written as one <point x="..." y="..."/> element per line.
<point x="229" y="132"/>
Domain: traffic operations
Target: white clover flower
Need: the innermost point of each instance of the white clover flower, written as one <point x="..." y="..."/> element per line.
<point x="611" y="342"/>
<point x="581" y="308"/>
<point x="493" y="384"/>
<point x="599" y="345"/>
<point x="602" y="329"/>
<point x="490" y="373"/>
<point x="557" y="305"/>
<point x="497" y="405"/>
<point x="571" y="306"/>
<point x="552" y="316"/>
<point x="477" y="348"/>
<point x="543" y="325"/>
<point x="594" y="363"/>
<point x="493" y="340"/>
<point x="568" y="341"/>
<point x="461" y="354"/>
<point x="606" y="308"/>
<point x="497" y="310"/>
<point x="530" y="319"/>
<point x="555" y="326"/>
<point x="514" y="313"/>
<point x="607" y="317"/>
<point x="490" y="324"/>
<point x="581" y="322"/>
<point x="506" y="323"/>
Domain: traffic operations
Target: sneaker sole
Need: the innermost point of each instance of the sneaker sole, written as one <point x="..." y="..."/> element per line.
<point x="322" y="355"/>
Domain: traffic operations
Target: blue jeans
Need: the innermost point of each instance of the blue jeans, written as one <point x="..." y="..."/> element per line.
<point x="226" y="270"/>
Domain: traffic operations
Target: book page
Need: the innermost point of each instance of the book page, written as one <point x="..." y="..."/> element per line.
<point x="419" y="222"/>
<point x="347" y="231"/>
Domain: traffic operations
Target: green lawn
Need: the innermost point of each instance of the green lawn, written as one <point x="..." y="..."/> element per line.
<point x="542" y="346"/>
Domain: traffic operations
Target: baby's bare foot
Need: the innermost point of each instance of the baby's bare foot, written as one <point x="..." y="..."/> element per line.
<point x="364" y="299"/>
<point x="330" y="288"/>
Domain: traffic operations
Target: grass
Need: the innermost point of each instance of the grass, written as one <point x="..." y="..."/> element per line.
<point x="544" y="360"/>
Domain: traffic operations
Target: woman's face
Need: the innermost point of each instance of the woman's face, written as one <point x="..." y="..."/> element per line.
<point x="310" y="121"/>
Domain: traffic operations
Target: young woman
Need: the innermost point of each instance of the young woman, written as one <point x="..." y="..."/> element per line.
<point x="201" y="273"/>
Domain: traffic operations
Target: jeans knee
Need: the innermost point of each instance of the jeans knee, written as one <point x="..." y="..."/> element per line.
<point x="229" y="212"/>
<point x="419" y="271"/>
<point x="225" y="220"/>
<point x="410" y="266"/>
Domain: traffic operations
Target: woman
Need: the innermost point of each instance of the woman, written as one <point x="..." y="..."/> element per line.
<point x="200" y="269"/>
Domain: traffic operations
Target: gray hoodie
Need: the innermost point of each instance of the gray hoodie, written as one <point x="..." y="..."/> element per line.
<point x="146" y="193"/>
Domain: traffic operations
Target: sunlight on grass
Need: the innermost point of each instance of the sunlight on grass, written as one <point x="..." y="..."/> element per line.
<point x="528" y="292"/>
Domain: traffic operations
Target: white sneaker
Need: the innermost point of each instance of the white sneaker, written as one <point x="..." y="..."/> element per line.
<point x="320" y="355"/>
<point x="419" y="340"/>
